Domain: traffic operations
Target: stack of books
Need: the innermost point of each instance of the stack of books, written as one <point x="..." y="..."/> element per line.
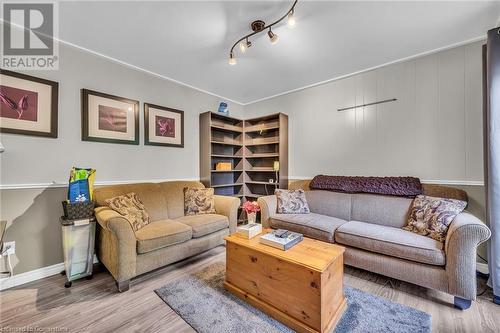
<point x="249" y="230"/>
<point x="281" y="239"/>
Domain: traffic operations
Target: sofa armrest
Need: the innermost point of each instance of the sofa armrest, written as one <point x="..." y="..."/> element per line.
<point x="228" y="206"/>
<point x="267" y="209"/>
<point x="117" y="244"/>
<point x="465" y="233"/>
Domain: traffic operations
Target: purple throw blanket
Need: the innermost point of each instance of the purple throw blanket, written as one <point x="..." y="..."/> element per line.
<point x="397" y="186"/>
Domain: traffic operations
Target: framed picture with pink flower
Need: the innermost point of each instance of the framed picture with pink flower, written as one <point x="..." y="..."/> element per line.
<point x="108" y="118"/>
<point x="28" y="105"/>
<point x="163" y="126"/>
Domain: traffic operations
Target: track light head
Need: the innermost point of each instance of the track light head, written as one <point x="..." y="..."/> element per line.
<point x="291" y="20"/>
<point x="272" y="36"/>
<point x="232" y="59"/>
<point x="243" y="47"/>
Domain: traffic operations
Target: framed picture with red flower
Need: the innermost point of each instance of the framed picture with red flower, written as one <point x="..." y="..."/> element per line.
<point x="28" y="105"/>
<point x="108" y="118"/>
<point x="163" y="126"/>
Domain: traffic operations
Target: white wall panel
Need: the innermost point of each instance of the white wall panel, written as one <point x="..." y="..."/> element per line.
<point x="473" y="112"/>
<point x="432" y="131"/>
<point x="426" y="127"/>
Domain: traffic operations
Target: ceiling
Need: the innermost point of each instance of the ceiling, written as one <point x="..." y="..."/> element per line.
<point x="189" y="41"/>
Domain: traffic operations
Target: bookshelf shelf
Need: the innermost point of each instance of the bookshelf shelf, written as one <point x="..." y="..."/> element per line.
<point x="227" y="185"/>
<point x="226" y="156"/>
<point x="229" y="143"/>
<point x="252" y="146"/>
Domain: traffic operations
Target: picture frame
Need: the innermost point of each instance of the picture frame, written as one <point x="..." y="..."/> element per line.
<point x="109" y="119"/>
<point x="28" y="105"/>
<point x="163" y="126"/>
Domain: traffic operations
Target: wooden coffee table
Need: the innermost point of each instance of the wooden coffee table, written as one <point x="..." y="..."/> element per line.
<point x="301" y="287"/>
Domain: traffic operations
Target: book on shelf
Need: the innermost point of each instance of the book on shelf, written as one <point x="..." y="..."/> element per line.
<point x="281" y="239"/>
<point x="249" y="230"/>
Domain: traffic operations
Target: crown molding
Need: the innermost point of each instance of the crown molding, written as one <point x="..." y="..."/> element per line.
<point x="164" y="77"/>
<point x="416" y="56"/>
<point x="140" y="69"/>
<point x="129" y="65"/>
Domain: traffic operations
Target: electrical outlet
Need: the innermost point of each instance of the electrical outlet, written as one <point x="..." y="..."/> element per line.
<point x="9" y="247"/>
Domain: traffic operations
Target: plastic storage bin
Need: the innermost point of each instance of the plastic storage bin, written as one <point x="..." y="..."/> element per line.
<point x="78" y="237"/>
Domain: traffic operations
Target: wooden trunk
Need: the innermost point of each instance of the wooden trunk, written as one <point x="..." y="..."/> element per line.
<point x="298" y="293"/>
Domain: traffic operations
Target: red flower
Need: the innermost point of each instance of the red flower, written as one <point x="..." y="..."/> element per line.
<point x="251" y="207"/>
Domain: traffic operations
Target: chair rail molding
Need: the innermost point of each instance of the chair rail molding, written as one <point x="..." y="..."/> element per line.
<point x="424" y="181"/>
<point x="97" y="183"/>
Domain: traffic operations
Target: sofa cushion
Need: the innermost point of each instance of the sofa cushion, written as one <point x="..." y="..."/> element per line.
<point x="198" y="201"/>
<point x="291" y="202"/>
<point x="173" y="191"/>
<point x="431" y="216"/>
<point x="380" y="209"/>
<point x="391" y="241"/>
<point x="333" y="204"/>
<point x="204" y="224"/>
<point x="150" y="194"/>
<point x="312" y="225"/>
<point x="131" y="208"/>
<point x="160" y="234"/>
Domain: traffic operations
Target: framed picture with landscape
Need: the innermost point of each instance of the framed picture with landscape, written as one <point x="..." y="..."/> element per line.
<point x="163" y="126"/>
<point x="108" y="118"/>
<point x="28" y="105"/>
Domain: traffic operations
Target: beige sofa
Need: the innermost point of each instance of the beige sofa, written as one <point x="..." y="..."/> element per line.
<point x="369" y="226"/>
<point x="170" y="236"/>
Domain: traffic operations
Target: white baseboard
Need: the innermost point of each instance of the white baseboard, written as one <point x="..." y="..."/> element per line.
<point x="19" y="279"/>
<point x="37" y="274"/>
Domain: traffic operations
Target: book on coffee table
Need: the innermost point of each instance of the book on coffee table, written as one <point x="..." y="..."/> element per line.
<point x="283" y="243"/>
<point x="249" y="230"/>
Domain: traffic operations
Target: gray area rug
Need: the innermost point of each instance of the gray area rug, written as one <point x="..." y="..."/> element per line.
<point x="202" y="301"/>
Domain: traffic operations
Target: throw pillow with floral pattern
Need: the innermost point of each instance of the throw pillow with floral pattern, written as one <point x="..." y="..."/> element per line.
<point x="291" y="202"/>
<point x="431" y="216"/>
<point x="131" y="208"/>
<point x="199" y="201"/>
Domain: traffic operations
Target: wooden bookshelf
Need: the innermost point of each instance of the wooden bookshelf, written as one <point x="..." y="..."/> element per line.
<point x="252" y="146"/>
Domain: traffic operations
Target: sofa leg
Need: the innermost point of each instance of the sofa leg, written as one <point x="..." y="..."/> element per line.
<point x="462" y="303"/>
<point x="123" y="285"/>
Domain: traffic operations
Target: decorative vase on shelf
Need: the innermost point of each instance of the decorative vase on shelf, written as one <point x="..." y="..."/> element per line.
<point x="252" y="217"/>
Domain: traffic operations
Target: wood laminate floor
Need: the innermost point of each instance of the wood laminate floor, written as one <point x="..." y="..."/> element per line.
<point x="96" y="306"/>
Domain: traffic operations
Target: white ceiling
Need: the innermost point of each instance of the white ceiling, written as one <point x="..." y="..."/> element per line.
<point x="189" y="41"/>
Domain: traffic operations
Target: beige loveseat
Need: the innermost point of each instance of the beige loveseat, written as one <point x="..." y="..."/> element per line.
<point x="170" y="236"/>
<point x="369" y="226"/>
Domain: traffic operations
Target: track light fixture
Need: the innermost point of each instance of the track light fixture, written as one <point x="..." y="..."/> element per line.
<point x="272" y="36"/>
<point x="259" y="26"/>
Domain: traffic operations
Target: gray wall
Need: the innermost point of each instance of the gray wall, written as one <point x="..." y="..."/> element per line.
<point x="32" y="213"/>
